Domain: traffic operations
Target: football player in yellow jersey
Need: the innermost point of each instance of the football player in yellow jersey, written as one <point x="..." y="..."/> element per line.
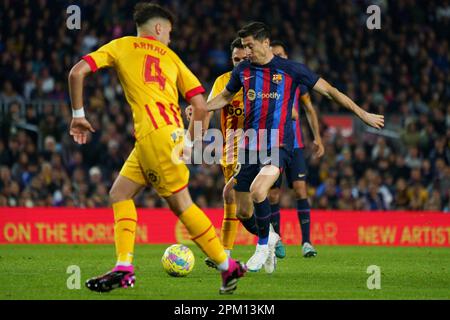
<point x="231" y="119"/>
<point x="151" y="75"/>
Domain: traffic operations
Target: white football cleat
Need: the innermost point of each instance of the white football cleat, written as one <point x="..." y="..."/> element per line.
<point x="271" y="261"/>
<point x="255" y="263"/>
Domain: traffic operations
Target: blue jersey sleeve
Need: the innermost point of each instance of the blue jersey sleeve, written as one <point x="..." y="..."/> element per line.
<point x="303" y="90"/>
<point x="305" y="76"/>
<point x="235" y="83"/>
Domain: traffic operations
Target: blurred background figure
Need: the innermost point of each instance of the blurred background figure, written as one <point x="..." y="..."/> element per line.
<point x="401" y="72"/>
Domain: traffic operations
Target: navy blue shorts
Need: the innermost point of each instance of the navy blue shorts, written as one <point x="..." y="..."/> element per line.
<point x="247" y="170"/>
<point x="295" y="170"/>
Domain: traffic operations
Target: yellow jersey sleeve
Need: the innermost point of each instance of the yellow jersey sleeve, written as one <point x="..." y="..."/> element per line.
<point x="187" y="82"/>
<point x="217" y="88"/>
<point x="105" y="56"/>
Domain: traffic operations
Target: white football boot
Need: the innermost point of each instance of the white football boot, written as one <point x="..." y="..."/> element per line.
<point x="271" y="261"/>
<point x="255" y="263"/>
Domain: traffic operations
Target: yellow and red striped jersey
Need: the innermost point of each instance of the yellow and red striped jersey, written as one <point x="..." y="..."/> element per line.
<point x="151" y="75"/>
<point x="231" y="118"/>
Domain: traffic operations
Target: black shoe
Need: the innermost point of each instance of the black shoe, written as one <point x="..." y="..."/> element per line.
<point x="112" y="280"/>
<point x="210" y="263"/>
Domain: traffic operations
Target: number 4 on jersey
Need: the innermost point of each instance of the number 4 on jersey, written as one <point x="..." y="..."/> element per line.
<point x="152" y="72"/>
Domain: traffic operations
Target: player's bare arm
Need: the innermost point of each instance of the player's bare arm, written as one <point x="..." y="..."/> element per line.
<point x="188" y="111"/>
<point x="313" y="121"/>
<point x="79" y="127"/>
<point x="199" y="113"/>
<point x="327" y="90"/>
<point x="221" y="100"/>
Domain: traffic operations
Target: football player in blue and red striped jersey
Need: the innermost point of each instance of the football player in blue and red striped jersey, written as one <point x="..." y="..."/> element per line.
<point x="269" y="83"/>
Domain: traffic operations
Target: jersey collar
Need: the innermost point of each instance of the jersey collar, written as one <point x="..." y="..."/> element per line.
<point x="149" y="37"/>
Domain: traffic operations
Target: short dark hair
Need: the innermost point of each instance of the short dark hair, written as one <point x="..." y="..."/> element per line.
<point x="279" y="43"/>
<point x="237" y="43"/>
<point x="258" y="30"/>
<point x="144" y="11"/>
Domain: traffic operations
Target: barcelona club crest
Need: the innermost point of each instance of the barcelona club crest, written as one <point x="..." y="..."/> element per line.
<point x="277" y="78"/>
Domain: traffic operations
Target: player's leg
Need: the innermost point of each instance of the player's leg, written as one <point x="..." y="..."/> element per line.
<point x="297" y="179"/>
<point x="170" y="179"/>
<point x="199" y="226"/>
<point x="265" y="249"/>
<point x="203" y="233"/>
<point x="244" y="211"/>
<point x="125" y="217"/>
<point x="304" y="218"/>
<point x="230" y="222"/>
<point x="129" y="182"/>
<point x="259" y="190"/>
<point x="274" y="200"/>
<point x="244" y="214"/>
<point x="245" y="174"/>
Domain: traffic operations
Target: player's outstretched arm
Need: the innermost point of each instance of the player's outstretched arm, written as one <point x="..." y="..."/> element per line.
<point x="313" y="120"/>
<point x="221" y="100"/>
<point x="76" y="79"/>
<point x="200" y="116"/>
<point x="188" y="111"/>
<point x="216" y="103"/>
<point x="79" y="127"/>
<point x="325" y="89"/>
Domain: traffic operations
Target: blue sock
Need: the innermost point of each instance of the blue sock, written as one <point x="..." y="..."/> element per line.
<point x="275" y="217"/>
<point x="304" y="219"/>
<point x="250" y="225"/>
<point x="262" y="213"/>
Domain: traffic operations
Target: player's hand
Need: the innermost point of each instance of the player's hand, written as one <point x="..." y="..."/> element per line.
<point x="373" y="120"/>
<point x="319" y="149"/>
<point x="188" y="112"/>
<point x="186" y="154"/>
<point x="79" y="130"/>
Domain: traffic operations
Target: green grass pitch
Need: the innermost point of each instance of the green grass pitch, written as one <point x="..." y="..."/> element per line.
<point x="338" y="272"/>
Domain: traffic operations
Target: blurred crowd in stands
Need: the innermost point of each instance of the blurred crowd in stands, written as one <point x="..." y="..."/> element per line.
<point x="402" y="71"/>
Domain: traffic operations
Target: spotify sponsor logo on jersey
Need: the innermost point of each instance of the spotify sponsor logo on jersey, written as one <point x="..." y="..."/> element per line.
<point x="252" y="95"/>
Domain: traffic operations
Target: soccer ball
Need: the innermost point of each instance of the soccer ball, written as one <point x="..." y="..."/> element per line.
<point x="178" y="260"/>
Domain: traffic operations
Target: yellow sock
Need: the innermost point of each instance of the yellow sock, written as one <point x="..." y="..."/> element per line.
<point x="229" y="226"/>
<point x="203" y="233"/>
<point x="125" y="218"/>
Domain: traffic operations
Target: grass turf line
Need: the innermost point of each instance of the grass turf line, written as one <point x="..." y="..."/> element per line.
<point x="338" y="272"/>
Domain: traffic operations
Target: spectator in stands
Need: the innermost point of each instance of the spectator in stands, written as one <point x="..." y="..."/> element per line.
<point x="403" y="76"/>
<point x="380" y="150"/>
<point x="410" y="137"/>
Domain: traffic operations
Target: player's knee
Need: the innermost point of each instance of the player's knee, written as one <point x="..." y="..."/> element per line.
<point x="243" y="215"/>
<point x="179" y="202"/>
<point x="258" y="195"/>
<point x="244" y="210"/>
<point x="116" y="195"/>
